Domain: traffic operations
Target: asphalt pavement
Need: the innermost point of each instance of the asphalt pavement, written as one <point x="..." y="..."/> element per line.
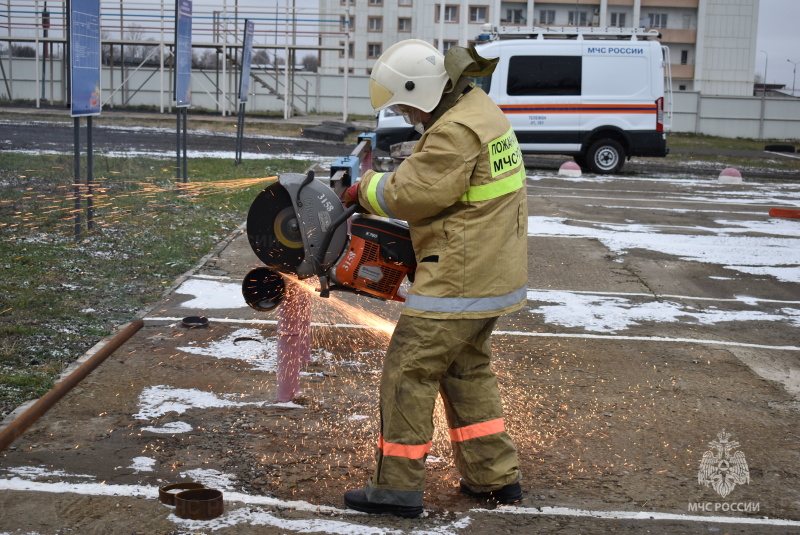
<point x="655" y="326"/>
<point x="661" y="315"/>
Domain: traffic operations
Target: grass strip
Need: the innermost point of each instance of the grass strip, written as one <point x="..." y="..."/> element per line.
<point x="60" y="295"/>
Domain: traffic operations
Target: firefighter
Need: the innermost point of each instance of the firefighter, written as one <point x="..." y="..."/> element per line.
<point x="462" y="192"/>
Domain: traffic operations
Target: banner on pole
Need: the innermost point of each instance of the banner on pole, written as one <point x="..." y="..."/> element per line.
<point x="84" y="46"/>
<point x="247" y="56"/>
<point x="183" y="53"/>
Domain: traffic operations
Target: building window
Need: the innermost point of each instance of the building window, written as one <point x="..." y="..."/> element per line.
<point x="450" y="13"/>
<point x="448" y="45"/>
<point x="347" y="24"/>
<point x="349" y="70"/>
<point x="376" y="2"/>
<point x="681" y="88"/>
<point x="547" y="16"/>
<point x="404" y="24"/>
<point x="350" y="49"/>
<point x="617" y="20"/>
<point x="514" y="16"/>
<point x="684" y="57"/>
<point x="657" y="20"/>
<point x="374" y="50"/>
<point x="375" y="24"/>
<point x="346" y="2"/>
<point x="477" y="14"/>
<point x="577" y="18"/>
<point x="405" y="3"/>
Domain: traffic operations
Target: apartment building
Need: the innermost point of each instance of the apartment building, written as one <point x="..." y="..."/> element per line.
<point x="712" y="43"/>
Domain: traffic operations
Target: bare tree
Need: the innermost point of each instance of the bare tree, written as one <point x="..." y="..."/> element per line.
<point x="135" y="33"/>
<point x="206" y="60"/>
<point x="261" y="57"/>
<point x="310" y="62"/>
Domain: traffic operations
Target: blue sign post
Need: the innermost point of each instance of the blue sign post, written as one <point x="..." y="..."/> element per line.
<point x="183" y="53"/>
<point x="244" y="85"/>
<point x="84" y="46"/>
<point x="247" y="56"/>
<point x="183" y="75"/>
<point x="84" y="61"/>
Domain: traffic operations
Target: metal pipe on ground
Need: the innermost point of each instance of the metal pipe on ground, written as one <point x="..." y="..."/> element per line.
<point x="46" y="402"/>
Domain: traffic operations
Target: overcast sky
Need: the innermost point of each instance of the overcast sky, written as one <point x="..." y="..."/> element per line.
<point x="779" y="40"/>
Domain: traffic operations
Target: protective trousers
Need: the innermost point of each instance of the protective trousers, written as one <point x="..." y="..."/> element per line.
<point x="451" y="357"/>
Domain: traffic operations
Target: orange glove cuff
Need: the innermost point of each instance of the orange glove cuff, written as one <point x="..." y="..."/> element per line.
<point x="351" y="195"/>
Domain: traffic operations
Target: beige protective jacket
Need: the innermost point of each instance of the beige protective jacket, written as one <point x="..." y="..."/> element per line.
<point x="463" y="193"/>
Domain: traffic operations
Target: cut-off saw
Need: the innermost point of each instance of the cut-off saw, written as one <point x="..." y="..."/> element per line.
<point x="296" y="227"/>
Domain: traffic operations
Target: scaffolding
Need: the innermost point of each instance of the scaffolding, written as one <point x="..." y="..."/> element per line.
<point x="138" y="41"/>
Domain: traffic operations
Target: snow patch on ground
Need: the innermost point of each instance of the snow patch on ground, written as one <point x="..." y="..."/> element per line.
<point x="170" y="428"/>
<point x="212" y="294"/>
<point x="773" y="256"/>
<point x="213" y="479"/>
<point x="247" y="345"/>
<point x="158" y="400"/>
<point x="142" y="464"/>
<point x="602" y="313"/>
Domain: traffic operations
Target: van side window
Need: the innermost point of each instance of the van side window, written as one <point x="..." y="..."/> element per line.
<point x="484" y="82"/>
<point x="544" y="75"/>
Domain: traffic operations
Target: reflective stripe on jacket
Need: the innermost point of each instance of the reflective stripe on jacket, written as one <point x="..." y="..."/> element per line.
<point x="463" y="193"/>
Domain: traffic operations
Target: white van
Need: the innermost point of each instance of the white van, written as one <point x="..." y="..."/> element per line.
<point x="591" y="95"/>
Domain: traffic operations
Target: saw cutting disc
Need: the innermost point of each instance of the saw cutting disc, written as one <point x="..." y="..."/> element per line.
<point x="273" y="230"/>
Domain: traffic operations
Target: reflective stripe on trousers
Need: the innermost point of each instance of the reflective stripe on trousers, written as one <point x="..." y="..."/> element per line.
<point x="449" y="357"/>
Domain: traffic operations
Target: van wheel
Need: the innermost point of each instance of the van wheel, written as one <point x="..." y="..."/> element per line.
<point x="605" y="156"/>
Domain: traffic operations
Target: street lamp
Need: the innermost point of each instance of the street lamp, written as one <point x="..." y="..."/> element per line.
<point x="794" y="73"/>
<point x="766" y="62"/>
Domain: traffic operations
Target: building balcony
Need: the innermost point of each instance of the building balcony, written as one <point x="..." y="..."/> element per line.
<point x="684" y="72"/>
<point x="678" y="36"/>
<point x="671" y="3"/>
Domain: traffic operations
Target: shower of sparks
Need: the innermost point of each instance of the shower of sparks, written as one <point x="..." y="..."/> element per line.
<point x="54" y="211"/>
<point x="352" y="313"/>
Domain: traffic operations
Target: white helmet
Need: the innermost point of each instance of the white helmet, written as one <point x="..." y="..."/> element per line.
<point x="410" y="72"/>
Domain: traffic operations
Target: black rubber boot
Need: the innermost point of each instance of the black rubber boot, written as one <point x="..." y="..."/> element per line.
<point x="507" y="495"/>
<point x="357" y="499"/>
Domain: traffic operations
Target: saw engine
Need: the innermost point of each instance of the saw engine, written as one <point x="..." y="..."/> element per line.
<point x="296" y="227"/>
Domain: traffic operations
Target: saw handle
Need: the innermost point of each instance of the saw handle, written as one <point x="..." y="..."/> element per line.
<point x="326" y="241"/>
<point x="309" y="178"/>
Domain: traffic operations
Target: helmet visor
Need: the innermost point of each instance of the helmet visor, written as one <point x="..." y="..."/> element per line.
<point x="379" y="96"/>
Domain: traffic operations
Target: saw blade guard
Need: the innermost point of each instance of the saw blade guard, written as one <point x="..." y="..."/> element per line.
<point x="263" y="289"/>
<point x="287" y="222"/>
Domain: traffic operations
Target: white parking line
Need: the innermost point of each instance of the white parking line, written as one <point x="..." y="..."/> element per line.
<point x="516" y="333"/>
<point x="787" y="155"/>
<point x="646" y="339"/>
<point x="745" y="300"/>
<point x="336" y="526"/>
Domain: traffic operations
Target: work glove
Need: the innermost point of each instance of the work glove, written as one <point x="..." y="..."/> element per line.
<point x="351" y="195"/>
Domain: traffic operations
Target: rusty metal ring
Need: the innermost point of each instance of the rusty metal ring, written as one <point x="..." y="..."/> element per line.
<point x="167" y="497"/>
<point x="199" y="504"/>
<point x="194" y="322"/>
